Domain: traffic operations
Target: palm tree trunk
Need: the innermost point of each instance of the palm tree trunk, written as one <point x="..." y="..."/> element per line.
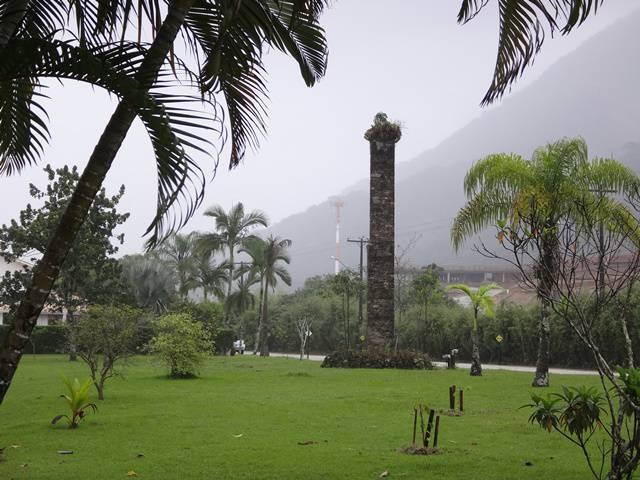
<point x="476" y="366"/>
<point x="541" y="378"/>
<point x="380" y="256"/>
<point x="261" y="296"/>
<point x="48" y="268"/>
<point x="264" y="324"/>
<point x="545" y="276"/>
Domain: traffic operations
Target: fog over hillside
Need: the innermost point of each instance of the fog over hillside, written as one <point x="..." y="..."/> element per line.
<point x="592" y="92"/>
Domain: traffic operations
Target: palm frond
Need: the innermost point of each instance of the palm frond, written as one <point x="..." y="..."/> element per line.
<point x="171" y="127"/>
<point x="523" y="27"/>
<point x="460" y="287"/>
<point x="481" y="211"/>
<point x="23" y="125"/>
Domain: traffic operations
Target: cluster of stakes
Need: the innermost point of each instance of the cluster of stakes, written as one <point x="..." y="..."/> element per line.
<point x="429" y="432"/>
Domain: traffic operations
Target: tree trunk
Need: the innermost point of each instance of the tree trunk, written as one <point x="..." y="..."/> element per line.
<point x="100" y="388"/>
<point x="627" y="340"/>
<point x="264" y="324"/>
<point x="541" y="378"/>
<point x="256" y="345"/>
<point x="380" y="255"/>
<point x="229" y="285"/>
<point x="545" y="276"/>
<point x="48" y="268"/>
<point x="73" y="354"/>
<point x="476" y="366"/>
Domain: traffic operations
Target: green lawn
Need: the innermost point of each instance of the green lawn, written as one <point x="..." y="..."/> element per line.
<point x="190" y="429"/>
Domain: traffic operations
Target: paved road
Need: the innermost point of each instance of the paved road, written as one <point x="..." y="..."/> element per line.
<point x="512" y="368"/>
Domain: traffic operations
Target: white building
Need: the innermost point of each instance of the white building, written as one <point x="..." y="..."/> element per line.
<point x="47" y="317"/>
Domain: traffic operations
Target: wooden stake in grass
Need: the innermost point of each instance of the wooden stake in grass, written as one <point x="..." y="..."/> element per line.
<point x="452" y="398"/>
<point x="415" y="421"/>
<point x="461" y="401"/>
<point x="435" y="434"/>
<point x="429" y="427"/>
<point x="421" y="424"/>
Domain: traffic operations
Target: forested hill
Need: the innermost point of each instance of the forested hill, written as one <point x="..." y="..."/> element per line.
<point x="592" y="92"/>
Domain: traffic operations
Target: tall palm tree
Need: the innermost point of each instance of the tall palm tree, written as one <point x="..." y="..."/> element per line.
<point x="481" y="301"/>
<point x="227" y="38"/>
<point x="255" y="248"/>
<point x="267" y="257"/>
<point x="275" y="253"/>
<point x="508" y="189"/>
<point x="178" y="251"/>
<point x="232" y="228"/>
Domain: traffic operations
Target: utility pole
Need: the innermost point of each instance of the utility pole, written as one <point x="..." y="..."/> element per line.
<point x="362" y="242"/>
<point x="338" y="204"/>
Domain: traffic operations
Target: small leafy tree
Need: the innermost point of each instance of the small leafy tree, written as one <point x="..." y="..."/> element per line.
<point x="481" y="301"/>
<point x="347" y="285"/>
<point x="426" y="290"/>
<point x="105" y="336"/>
<point x="181" y="343"/>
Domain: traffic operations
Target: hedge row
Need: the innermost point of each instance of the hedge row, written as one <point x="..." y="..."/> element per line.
<point x="51" y="339"/>
<point x="404" y="359"/>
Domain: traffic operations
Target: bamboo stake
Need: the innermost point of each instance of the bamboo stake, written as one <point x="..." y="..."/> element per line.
<point x="461" y="401"/>
<point x="435" y="434"/>
<point x="421" y="425"/>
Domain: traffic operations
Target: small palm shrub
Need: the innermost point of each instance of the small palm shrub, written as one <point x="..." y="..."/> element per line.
<point x="78" y="400"/>
<point x="181" y="343"/>
<point x="403" y="359"/>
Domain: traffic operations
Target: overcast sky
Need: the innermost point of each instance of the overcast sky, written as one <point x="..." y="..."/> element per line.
<point x="408" y="58"/>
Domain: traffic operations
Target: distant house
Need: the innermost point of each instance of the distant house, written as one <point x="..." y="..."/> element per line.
<point x="48" y="316"/>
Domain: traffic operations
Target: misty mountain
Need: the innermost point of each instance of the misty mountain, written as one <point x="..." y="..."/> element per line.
<point x="592" y="92"/>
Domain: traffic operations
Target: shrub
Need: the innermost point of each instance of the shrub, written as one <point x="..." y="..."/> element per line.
<point x="105" y="335"/>
<point x="403" y="359"/>
<point x="181" y="343"/>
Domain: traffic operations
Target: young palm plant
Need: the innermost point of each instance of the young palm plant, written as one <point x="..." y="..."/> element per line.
<point x="225" y="40"/>
<point x="78" y="400"/>
<point x="481" y="302"/>
<point x="509" y="191"/>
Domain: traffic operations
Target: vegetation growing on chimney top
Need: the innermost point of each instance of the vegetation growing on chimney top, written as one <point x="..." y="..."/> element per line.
<point x="383" y="130"/>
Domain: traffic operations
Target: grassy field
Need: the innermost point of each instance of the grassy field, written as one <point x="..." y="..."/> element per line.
<point x="245" y="418"/>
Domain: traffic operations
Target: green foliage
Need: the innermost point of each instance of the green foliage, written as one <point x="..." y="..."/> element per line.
<point x="373" y="358"/>
<point x="576" y="411"/>
<point x="151" y="281"/>
<point x="88" y="274"/>
<point x="78" y="401"/>
<point x="524" y="25"/>
<point x="181" y="343"/>
<point x="44" y="339"/>
<point x="383" y="130"/>
<point x="210" y="315"/>
<point x="106" y="335"/>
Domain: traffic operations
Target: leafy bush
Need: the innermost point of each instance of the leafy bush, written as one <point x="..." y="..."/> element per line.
<point x="78" y="400"/>
<point x="181" y="343"/>
<point x="404" y="359"/>
<point x="105" y="335"/>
